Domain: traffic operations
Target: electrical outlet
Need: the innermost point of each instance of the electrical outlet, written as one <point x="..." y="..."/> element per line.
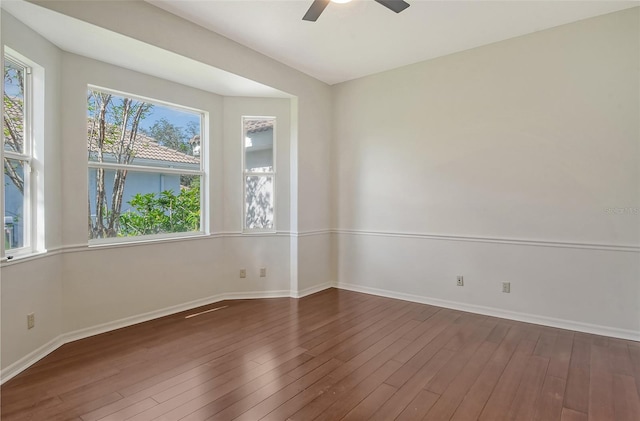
<point x="506" y="287"/>
<point x="263" y="272"/>
<point x="460" y="282"/>
<point x="243" y="273"/>
<point x="31" y="321"/>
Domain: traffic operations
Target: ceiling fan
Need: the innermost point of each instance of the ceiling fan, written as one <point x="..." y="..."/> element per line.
<point x="319" y="5"/>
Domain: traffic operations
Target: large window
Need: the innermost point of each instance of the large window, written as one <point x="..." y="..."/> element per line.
<point x="18" y="159"/>
<point x="146" y="176"/>
<point x="259" y="173"/>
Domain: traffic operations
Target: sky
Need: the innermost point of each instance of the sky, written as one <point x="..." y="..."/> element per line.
<point x="175" y="117"/>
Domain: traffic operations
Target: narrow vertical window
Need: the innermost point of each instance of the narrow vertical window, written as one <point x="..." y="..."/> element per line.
<point x="259" y="172"/>
<point x="18" y="185"/>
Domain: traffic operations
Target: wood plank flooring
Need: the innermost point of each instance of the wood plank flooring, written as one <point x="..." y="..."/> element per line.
<point x="334" y="355"/>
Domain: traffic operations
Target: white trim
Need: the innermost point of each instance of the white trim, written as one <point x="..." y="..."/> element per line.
<point x="140" y="318"/>
<point x="31" y="358"/>
<point x="36" y="355"/>
<point x="271" y="174"/>
<point x="257" y="233"/>
<point x="104" y="242"/>
<point x="312" y="290"/>
<point x="18" y="156"/>
<point x="252" y="295"/>
<point x="25" y="257"/>
<point x="313" y="232"/>
<point x="514" y="241"/>
<point x="30" y="227"/>
<point x="496" y="312"/>
<point x="231" y="234"/>
<point x="175" y="169"/>
<point x="77" y="248"/>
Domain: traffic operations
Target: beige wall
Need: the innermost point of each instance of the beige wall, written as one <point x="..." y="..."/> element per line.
<point x="99" y="288"/>
<point x="528" y="140"/>
<point x="496" y="163"/>
<point x="36" y="286"/>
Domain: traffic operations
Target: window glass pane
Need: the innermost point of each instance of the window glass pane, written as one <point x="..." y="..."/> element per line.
<point x="259" y="202"/>
<point x="258" y="145"/>
<point x="133" y="132"/>
<point x="13" y="107"/>
<point x="125" y="132"/>
<point x="14" y="204"/>
<point x="133" y="203"/>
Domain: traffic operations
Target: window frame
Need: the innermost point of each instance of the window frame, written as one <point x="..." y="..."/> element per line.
<point x="202" y="173"/>
<point x="30" y="224"/>
<point x="246" y="174"/>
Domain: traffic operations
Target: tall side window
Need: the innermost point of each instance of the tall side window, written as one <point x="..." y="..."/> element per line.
<point x="259" y="173"/>
<point x="19" y="183"/>
<point x="146" y="175"/>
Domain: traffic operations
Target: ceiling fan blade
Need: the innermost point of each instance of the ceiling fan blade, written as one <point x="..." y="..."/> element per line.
<point x="395" y="5"/>
<point x="315" y="10"/>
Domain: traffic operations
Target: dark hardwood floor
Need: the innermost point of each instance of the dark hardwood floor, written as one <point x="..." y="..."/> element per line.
<point x="331" y="356"/>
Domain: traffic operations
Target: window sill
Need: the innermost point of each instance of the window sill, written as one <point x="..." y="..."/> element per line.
<point x="136" y="241"/>
<point x="22" y="257"/>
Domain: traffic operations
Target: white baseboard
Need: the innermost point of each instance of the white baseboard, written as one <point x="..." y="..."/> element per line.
<point x="496" y="312"/>
<point x="31" y="358"/>
<point x="312" y="290"/>
<point x="36" y="355"/>
<point x="139" y="318"/>
<point x="251" y="295"/>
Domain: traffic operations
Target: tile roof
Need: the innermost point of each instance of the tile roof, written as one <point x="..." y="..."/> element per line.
<point x="13" y="109"/>
<point x="146" y="147"/>
<point x="254" y="126"/>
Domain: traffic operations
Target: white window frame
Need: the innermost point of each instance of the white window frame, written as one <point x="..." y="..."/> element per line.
<point x="30" y="228"/>
<point x="202" y="173"/>
<point x="246" y="174"/>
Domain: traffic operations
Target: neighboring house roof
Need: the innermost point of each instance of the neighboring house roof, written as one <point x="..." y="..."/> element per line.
<point x="254" y="126"/>
<point x="146" y="147"/>
<point x="13" y="109"/>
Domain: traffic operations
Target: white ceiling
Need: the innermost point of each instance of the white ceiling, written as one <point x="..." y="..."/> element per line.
<point x="363" y="37"/>
<point x="79" y="37"/>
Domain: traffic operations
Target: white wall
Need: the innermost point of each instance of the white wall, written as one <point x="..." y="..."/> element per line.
<point x="78" y="73"/>
<point x="103" y="287"/>
<point x="496" y="163"/>
<point x="310" y="190"/>
<point x="253" y="251"/>
<point x="36" y="286"/>
<point x="531" y="139"/>
<point x="234" y="109"/>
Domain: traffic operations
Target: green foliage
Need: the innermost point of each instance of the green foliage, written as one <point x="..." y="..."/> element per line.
<point x="162" y="213"/>
<point x="171" y="136"/>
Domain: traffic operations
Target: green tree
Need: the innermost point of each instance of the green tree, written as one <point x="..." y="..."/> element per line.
<point x="170" y="135"/>
<point x="163" y="213"/>
<point x="113" y="131"/>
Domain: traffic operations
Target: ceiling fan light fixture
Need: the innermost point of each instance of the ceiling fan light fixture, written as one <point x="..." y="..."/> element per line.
<point x="318" y="6"/>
